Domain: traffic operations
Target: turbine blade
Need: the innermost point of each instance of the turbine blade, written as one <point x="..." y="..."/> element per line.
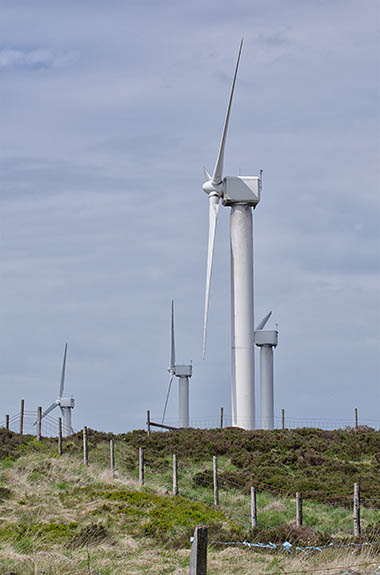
<point x="49" y="409"/>
<point x="167" y="398"/>
<point x="218" y="170"/>
<point x="207" y="175"/>
<point x="263" y="322"/>
<point x="213" y="217"/>
<point x="62" y="385"/>
<point x="172" y="342"/>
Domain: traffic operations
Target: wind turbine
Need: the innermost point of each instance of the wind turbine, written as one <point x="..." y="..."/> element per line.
<point x="266" y="340"/>
<point x="242" y="194"/>
<point x="183" y="372"/>
<point x="65" y="403"/>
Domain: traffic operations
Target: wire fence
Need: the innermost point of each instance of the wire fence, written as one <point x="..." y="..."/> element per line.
<point x="27" y="423"/>
<point x="289" y="422"/>
<point x="49" y="424"/>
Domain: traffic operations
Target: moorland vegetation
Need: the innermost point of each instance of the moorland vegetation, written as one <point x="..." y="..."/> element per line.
<point x="60" y="516"/>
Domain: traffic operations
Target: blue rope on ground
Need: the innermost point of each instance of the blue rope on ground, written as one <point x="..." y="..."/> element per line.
<point x="287" y="546"/>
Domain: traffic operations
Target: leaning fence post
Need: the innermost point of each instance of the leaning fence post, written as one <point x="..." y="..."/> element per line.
<point x="282" y="418"/>
<point x="60" y="450"/>
<point x="7" y="421"/>
<point x="85" y="448"/>
<point x="198" y="557"/>
<point x="215" y="477"/>
<point x="22" y="417"/>
<point x="356" y="510"/>
<point x="356" y="420"/>
<point x="299" y="509"/>
<point x="148" y="422"/>
<point x="221" y="418"/>
<point x="39" y="418"/>
<point x="112" y="457"/>
<point x="253" y="507"/>
<point x="141" y="466"/>
<point x="175" y="475"/>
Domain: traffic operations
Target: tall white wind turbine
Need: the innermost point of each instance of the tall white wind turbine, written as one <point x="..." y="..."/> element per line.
<point x="65" y="403"/>
<point x="183" y="372"/>
<point x="266" y="340"/>
<point x="242" y="194"/>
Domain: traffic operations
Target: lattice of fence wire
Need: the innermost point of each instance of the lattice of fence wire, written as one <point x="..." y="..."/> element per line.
<point x="213" y="422"/>
<point x="49" y="424"/>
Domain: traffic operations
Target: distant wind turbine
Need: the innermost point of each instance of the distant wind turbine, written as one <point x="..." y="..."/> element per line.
<point x="266" y="340"/>
<point x="183" y="372"/>
<point x="65" y="403"/>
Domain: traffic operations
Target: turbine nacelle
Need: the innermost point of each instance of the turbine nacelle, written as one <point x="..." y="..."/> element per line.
<point x="66" y="402"/>
<point x="241" y="189"/>
<point x="266" y="337"/>
<point x="183" y="370"/>
<point x="235" y="190"/>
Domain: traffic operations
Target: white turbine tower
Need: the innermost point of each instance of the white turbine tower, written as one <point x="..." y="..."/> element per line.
<point x="266" y="340"/>
<point x="242" y="194"/>
<point x="65" y="403"/>
<point x="183" y="372"/>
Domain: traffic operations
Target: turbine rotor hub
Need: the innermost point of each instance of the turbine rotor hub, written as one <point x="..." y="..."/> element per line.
<point x="215" y="189"/>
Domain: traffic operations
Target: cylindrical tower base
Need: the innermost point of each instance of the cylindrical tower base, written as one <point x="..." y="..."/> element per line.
<point x="184" y="401"/>
<point x="266" y="387"/>
<point x="242" y="318"/>
<point x="66" y="423"/>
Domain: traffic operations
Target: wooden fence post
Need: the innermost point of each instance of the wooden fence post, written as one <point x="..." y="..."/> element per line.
<point x="141" y="466"/>
<point x="148" y="422"/>
<point x="253" y="507"/>
<point x="175" y="475"/>
<point x="221" y="418"/>
<point x="39" y="422"/>
<point x="112" y="457"/>
<point x="22" y="407"/>
<point x="299" y="509"/>
<point x="7" y="421"/>
<point x="357" y="529"/>
<point x="215" y="477"/>
<point x="198" y="557"/>
<point x="356" y="420"/>
<point x="282" y="418"/>
<point x="60" y="449"/>
<point x="85" y="447"/>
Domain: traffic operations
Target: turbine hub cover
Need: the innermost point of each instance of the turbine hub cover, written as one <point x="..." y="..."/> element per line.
<point x="209" y="188"/>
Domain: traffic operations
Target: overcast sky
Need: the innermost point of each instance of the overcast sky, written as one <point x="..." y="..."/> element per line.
<point x="109" y="110"/>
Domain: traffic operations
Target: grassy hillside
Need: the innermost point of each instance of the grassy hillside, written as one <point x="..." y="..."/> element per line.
<point x="58" y="516"/>
<point x="322" y="464"/>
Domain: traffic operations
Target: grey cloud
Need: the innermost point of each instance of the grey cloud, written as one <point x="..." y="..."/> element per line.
<point x="36" y="58"/>
<point x="104" y="219"/>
